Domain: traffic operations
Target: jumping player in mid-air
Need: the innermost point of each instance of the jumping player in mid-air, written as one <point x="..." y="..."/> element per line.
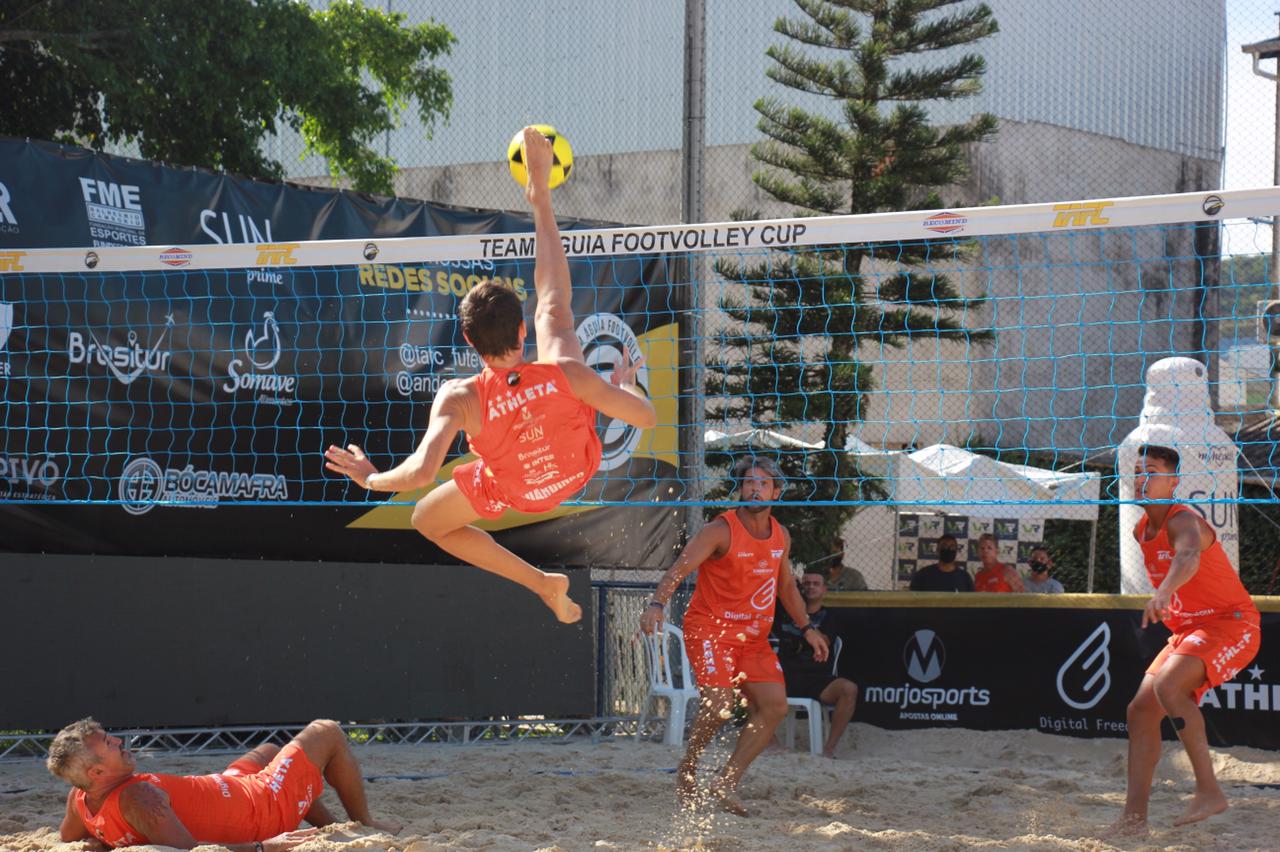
<point x="1216" y="633"/>
<point x="531" y="423"/>
<point x="744" y="567"/>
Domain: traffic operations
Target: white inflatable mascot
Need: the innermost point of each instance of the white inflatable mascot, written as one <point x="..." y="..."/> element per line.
<point x="1176" y="414"/>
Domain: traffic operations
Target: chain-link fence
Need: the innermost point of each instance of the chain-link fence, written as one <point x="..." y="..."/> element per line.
<point x="1093" y="99"/>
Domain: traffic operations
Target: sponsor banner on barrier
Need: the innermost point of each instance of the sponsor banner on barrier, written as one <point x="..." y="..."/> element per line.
<point x="35" y="477"/>
<point x="1059" y="670"/>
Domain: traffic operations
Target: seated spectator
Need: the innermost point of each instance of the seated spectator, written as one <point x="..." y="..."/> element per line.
<point x="1040" y="582"/>
<point x="846" y="579"/>
<point x="807" y="677"/>
<point x="995" y="576"/>
<point x="945" y="575"/>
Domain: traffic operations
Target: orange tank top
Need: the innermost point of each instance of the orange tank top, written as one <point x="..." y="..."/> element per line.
<point x="213" y="808"/>
<point x="538" y="439"/>
<point x="991" y="580"/>
<point x="1214" y="591"/>
<point x="741" y="587"/>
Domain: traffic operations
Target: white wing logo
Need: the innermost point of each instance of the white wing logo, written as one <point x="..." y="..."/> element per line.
<point x="1087" y="672"/>
<point x="766" y="594"/>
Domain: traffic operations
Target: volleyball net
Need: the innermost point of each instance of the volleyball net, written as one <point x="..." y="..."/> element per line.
<point x="928" y="359"/>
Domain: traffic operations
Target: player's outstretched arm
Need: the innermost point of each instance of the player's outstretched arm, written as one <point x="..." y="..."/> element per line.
<point x="619" y="397"/>
<point x="418" y="470"/>
<point x="1185" y="535"/>
<point x="147" y="810"/>
<point x="551" y="267"/>
<point x="711" y="541"/>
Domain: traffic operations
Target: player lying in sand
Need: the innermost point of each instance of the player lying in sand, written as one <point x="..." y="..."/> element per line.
<point x="1216" y="633"/>
<point x="531" y="423"/>
<point x="254" y="805"/>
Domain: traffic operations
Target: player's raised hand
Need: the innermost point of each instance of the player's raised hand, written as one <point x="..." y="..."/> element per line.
<point x="350" y="462"/>
<point x="626" y="372"/>
<point x="537" y="160"/>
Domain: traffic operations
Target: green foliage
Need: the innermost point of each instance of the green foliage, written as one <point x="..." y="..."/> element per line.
<point x="880" y="154"/>
<point x="203" y="84"/>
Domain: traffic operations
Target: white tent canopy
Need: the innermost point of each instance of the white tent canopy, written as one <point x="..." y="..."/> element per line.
<point x="947" y="479"/>
<point x="757" y="439"/>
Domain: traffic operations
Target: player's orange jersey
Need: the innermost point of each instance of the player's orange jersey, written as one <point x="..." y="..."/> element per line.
<point x="1215" y="591"/>
<point x="218" y="808"/>
<point x="741" y="587"/>
<point x="538" y="442"/>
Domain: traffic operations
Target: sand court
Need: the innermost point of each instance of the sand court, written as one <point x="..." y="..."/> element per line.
<point x="927" y="789"/>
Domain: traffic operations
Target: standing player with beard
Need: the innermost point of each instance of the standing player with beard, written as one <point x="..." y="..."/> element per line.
<point x="744" y="567"/>
<point x="1216" y="633"/>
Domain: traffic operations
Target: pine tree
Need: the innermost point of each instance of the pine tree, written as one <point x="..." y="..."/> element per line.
<point x="805" y="316"/>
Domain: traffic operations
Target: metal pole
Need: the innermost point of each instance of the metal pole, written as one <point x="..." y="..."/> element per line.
<point x="692" y="409"/>
<point x="1275" y="179"/>
<point x="1093" y="552"/>
<point x="1275" y="247"/>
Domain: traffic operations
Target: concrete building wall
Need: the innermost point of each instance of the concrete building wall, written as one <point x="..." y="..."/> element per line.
<point x="1077" y="316"/>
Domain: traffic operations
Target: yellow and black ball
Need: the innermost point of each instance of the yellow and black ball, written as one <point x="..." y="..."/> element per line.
<point x="561" y="156"/>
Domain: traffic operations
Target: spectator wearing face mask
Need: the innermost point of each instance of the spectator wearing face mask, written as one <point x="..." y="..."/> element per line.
<point x="945" y="575"/>
<point x="1040" y="582"/>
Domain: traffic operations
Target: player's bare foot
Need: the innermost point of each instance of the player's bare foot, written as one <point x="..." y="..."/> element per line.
<point x="387" y="824"/>
<point x="555" y="595"/>
<point x="727" y="797"/>
<point x="1202" y="807"/>
<point x="1128" y="825"/>
<point x="830" y="754"/>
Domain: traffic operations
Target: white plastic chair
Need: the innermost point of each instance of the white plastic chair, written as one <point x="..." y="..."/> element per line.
<point x="816" y="713"/>
<point x="662" y="682"/>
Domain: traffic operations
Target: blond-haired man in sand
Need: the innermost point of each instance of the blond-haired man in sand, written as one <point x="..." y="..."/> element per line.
<point x="1216" y="633"/>
<point x="531" y="424"/>
<point x="254" y="805"/>
<point x="744" y="567"/>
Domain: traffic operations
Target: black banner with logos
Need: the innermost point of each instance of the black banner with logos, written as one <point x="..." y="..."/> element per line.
<point x="136" y="404"/>
<point x="1066" y="664"/>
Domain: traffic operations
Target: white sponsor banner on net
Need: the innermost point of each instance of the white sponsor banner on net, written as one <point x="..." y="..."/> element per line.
<point x="915" y="225"/>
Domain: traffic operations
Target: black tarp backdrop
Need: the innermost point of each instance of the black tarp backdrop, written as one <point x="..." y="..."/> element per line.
<point x="1064" y="669"/>
<point x="142" y="642"/>
<point x="221" y="390"/>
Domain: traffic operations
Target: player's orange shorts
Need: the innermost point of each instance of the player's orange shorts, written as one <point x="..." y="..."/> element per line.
<point x="720" y="659"/>
<point x="287" y="786"/>
<point x="1226" y="645"/>
<point x="487" y="496"/>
